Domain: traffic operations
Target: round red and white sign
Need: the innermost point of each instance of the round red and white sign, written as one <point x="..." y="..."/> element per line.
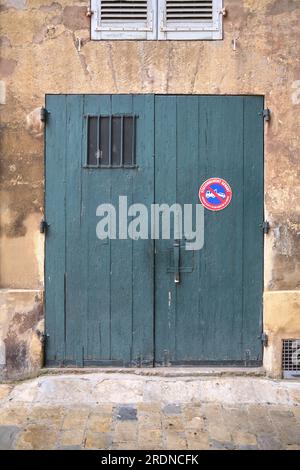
<point x="215" y="194"/>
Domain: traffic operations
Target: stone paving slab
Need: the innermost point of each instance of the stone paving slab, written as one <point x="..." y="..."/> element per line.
<point x="100" y="411"/>
<point x="98" y="388"/>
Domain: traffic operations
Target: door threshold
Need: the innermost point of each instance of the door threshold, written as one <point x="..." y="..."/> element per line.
<point x="161" y="371"/>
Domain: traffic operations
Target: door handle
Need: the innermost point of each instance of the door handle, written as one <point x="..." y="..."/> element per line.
<point x="176" y="248"/>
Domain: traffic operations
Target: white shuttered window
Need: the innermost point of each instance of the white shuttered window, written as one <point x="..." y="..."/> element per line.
<point x="124" y="19"/>
<point x="157" y="19"/>
<point x="190" y="19"/>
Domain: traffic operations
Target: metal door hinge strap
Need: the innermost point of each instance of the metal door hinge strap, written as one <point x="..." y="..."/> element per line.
<point x="89" y="12"/>
<point x="43" y="226"/>
<point x="43" y="336"/>
<point x="44" y="114"/>
<point x="266" y="114"/>
<point x="264" y="339"/>
<point x="265" y="227"/>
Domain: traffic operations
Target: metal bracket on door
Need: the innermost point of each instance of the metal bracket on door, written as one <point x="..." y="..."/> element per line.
<point x="265" y="227"/>
<point x="44" y="113"/>
<point x="266" y="114"/>
<point x="176" y="248"/>
<point x="43" y="226"/>
<point x="264" y="339"/>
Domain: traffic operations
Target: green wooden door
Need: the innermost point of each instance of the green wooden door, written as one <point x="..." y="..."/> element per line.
<point x="99" y="293"/>
<point x="214" y="314"/>
<point x="115" y="301"/>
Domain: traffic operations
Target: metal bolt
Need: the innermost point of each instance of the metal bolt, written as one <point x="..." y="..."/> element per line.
<point x="89" y="12"/>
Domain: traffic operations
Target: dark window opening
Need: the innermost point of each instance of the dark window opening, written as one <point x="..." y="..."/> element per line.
<point x="111" y="141"/>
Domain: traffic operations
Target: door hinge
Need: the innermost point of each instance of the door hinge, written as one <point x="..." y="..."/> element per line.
<point x="264" y="339"/>
<point x="44" y="338"/>
<point x="265" y="227"/>
<point x="266" y="114"/>
<point x="43" y="226"/>
<point x="44" y="114"/>
<point x="166" y="358"/>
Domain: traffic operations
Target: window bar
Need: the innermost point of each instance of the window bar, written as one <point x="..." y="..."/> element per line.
<point x="87" y="158"/>
<point x="122" y="130"/>
<point x="98" y="142"/>
<point x="109" y="140"/>
<point x="133" y="141"/>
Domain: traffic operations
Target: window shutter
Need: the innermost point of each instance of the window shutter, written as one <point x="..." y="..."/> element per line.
<point x="124" y="19"/>
<point x="190" y="19"/>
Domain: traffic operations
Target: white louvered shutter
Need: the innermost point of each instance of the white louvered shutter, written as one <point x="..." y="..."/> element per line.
<point x="124" y="19"/>
<point x="190" y="19"/>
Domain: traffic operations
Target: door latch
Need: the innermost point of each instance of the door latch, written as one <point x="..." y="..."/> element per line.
<point x="176" y="248"/>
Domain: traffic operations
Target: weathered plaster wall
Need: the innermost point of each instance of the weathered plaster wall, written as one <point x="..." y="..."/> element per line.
<point x="281" y="321"/>
<point x="21" y="330"/>
<point x="39" y="54"/>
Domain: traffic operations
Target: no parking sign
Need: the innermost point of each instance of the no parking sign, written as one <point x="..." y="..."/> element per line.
<point x="215" y="194"/>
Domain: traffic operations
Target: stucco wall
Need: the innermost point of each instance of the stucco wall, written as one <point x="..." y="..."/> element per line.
<point x="281" y="321"/>
<point x="39" y="48"/>
<point x="21" y="329"/>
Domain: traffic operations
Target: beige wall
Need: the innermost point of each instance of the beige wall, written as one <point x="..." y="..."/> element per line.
<point x="39" y="55"/>
<point x="281" y="321"/>
<point x="21" y="328"/>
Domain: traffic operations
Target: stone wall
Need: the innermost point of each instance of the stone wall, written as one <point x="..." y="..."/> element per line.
<point x="21" y="330"/>
<point x="40" y="54"/>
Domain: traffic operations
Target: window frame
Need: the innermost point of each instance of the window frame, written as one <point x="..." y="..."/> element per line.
<point x="111" y="165"/>
<point x="124" y="31"/>
<point x="157" y="27"/>
<point x="190" y="30"/>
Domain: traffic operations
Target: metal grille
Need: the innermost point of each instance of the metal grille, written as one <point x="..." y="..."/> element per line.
<point x="123" y="10"/>
<point x="189" y="10"/>
<point x="291" y="358"/>
<point x="111" y="141"/>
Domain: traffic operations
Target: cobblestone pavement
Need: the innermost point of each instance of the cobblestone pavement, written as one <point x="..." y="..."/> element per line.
<point x="58" y="413"/>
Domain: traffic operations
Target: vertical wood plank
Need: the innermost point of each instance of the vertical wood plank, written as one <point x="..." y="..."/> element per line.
<point x="188" y="318"/>
<point x="253" y="234"/>
<point x="165" y="192"/>
<point x="55" y="239"/>
<point x="121" y="255"/>
<point x="143" y="250"/>
<point x="221" y="155"/>
<point x="74" y="262"/>
<point x="96" y="190"/>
